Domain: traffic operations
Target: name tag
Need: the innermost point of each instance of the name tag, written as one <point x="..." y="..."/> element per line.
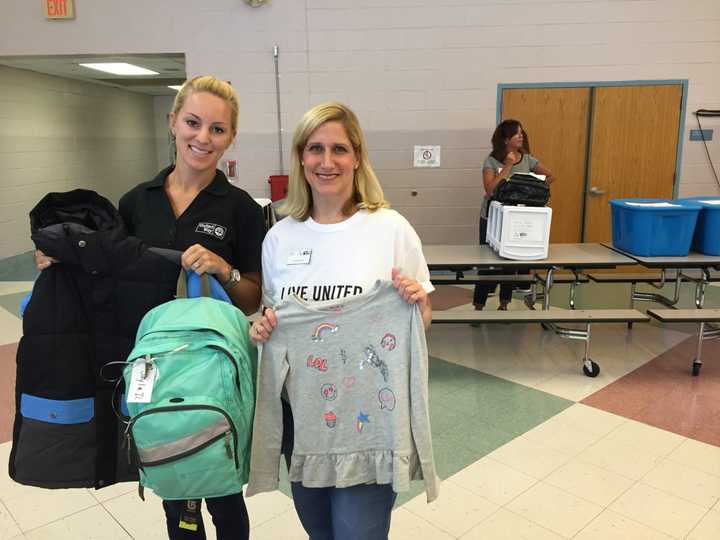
<point x="142" y="381"/>
<point x="300" y="257"/>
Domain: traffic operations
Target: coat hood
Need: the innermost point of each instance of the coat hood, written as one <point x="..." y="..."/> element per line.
<point x="83" y="228"/>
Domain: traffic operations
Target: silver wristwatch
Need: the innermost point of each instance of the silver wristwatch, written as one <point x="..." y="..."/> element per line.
<point x="235" y="278"/>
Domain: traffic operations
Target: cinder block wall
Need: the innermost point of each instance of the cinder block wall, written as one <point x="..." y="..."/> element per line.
<point x="415" y="71"/>
<point x="59" y="134"/>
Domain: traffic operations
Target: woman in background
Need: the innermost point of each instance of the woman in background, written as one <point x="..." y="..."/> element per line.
<point x="510" y="155"/>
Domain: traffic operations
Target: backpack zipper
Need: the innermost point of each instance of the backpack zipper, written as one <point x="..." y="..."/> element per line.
<point x="170" y="408"/>
<point x="232" y="361"/>
<point x="216" y="347"/>
<point x="228" y="451"/>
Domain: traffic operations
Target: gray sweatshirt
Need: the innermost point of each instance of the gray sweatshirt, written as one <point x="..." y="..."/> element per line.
<point x="356" y="376"/>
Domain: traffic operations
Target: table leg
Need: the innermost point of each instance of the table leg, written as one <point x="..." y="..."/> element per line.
<point x="548" y="286"/>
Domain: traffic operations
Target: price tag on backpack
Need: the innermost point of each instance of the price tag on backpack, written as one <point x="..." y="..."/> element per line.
<point x="142" y="380"/>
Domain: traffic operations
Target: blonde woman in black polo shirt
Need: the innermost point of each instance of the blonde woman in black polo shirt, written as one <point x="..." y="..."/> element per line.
<point x="191" y="207"/>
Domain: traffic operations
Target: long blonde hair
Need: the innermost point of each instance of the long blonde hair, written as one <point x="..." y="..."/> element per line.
<point x="367" y="192"/>
<point x="211" y="85"/>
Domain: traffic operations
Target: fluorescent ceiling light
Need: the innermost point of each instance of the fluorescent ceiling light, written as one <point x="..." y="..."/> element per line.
<point x="120" y="68"/>
<point x="175" y="87"/>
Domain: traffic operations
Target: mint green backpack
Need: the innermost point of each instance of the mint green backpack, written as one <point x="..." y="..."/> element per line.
<point x="191" y="438"/>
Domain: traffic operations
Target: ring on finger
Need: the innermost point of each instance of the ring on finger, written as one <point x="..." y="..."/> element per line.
<point x="196" y="265"/>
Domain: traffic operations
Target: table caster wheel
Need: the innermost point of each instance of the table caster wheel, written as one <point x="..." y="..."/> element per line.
<point x="590" y="368"/>
<point x="696" y="368"/>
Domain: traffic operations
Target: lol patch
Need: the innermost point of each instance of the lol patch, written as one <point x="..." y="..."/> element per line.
<point x="321" y="364"/>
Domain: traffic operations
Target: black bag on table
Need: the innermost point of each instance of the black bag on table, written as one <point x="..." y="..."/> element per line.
<point x="522" y="189"/>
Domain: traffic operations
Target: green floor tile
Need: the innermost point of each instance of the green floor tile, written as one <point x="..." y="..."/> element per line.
<point x="444" y="417"/>
<point x="476" y="414"/>
<point x="482" y="390"/>
<point x="517" y="418"/>
<point x="11" y="302"/>
<point x="19" y="267"/>
<point x="482" y="438"/>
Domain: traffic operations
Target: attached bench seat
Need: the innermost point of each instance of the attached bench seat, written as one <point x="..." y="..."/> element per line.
<point x="490" y="278"/>
<point x="702" y="317"/>
<point x="549" y="318"/>
<point x="503" y="278"/>
<point x="570" y="278"/>
<point x="685" y="315"/>
<point x="652" y="277"/>
<point x="657" y="280"/>
<point x="627" y="278"/>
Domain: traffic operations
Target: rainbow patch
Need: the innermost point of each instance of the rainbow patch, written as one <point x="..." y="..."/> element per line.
<point x="323" y="329"/>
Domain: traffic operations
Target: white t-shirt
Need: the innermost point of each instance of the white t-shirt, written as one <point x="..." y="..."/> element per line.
<point x="330" y="262"/>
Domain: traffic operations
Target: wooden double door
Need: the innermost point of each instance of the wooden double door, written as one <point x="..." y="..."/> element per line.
<point x="601" y="143"/>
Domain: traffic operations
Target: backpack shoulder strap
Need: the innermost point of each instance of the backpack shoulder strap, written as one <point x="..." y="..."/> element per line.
<point x="192" y="285"/>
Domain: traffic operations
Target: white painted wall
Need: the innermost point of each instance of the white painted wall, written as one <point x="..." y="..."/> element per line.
<point x="58" y="134"/>
<point x="415" y="71"/>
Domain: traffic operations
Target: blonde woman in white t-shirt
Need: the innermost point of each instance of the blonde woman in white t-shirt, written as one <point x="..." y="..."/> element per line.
<point x="338" y="239"/>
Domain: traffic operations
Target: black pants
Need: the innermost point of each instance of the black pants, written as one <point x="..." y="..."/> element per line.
<point x="482" y="290"/>
<point x="229" y="515"/>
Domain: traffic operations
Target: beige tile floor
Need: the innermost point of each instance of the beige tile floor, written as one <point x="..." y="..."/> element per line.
<point x="584" y="473"/>
<point x="623" y="480"/>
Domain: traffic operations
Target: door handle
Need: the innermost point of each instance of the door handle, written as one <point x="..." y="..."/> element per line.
<point x="596" y="191"/>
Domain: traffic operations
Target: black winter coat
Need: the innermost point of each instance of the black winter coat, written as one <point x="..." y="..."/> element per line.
<point x="78" y="326"/>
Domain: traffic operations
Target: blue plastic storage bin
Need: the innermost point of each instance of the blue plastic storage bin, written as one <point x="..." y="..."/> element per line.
<point x="653" y="227"/>
<point x="707" y="231"/>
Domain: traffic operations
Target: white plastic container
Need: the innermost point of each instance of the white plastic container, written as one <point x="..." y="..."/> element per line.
<point x="521" y="233"/>
<point x="492" y="235"/>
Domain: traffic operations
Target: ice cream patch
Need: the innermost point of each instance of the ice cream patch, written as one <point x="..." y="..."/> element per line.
<point x="330" y="419"/>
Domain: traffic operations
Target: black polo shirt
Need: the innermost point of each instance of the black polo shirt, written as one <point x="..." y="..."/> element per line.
<point x="222" y="218"/>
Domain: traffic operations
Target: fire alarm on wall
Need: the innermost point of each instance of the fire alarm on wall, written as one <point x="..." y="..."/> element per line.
<point x="230" y="168"/>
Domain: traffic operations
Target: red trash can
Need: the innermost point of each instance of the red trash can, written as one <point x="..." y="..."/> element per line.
<point x="278" y="186"/>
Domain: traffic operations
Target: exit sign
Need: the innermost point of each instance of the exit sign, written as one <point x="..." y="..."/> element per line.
<point x="59" y="9"/>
